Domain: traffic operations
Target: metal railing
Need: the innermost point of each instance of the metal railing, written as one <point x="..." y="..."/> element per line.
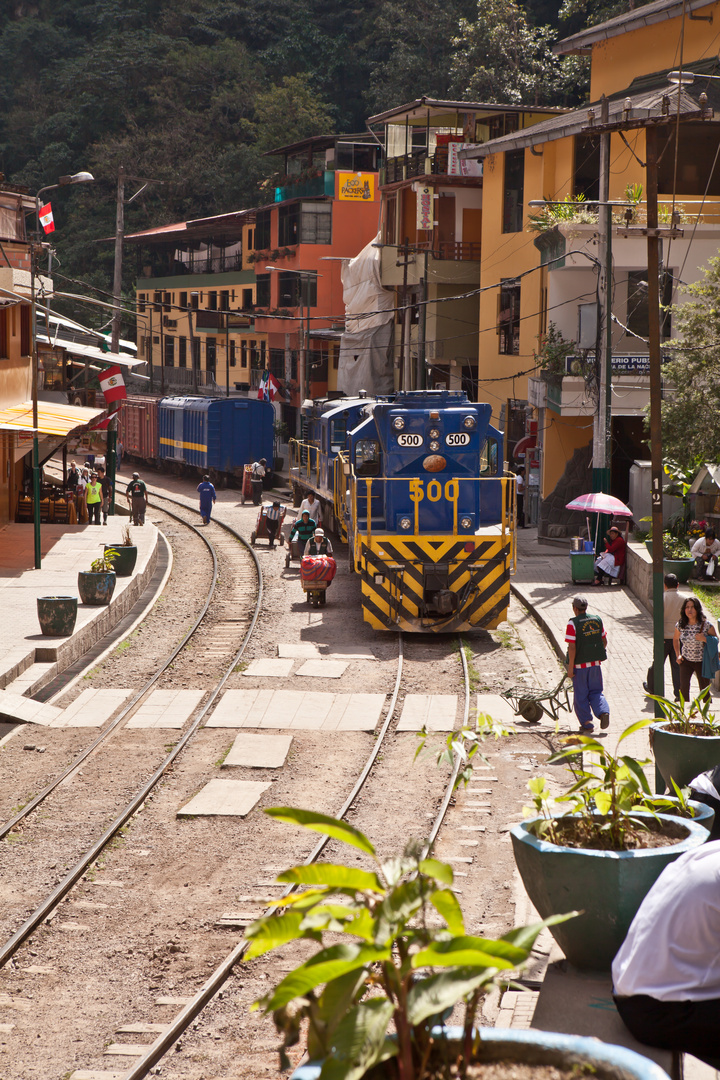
<point x="457" y="251"/>
<point x="305" y="457"/>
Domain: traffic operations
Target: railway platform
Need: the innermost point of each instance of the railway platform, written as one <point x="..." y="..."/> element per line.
<point x="28" y="660"/>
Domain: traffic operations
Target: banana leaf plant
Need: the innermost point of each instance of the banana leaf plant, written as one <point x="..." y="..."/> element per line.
<point x="390" y="960"/>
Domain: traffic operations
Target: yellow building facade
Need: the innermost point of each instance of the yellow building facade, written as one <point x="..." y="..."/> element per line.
<point x="539" y="278"/>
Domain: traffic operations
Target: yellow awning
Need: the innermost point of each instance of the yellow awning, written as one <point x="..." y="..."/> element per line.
<point x="53" y="419"/>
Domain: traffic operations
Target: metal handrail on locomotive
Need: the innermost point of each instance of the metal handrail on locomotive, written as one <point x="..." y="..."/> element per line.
<point x="415" y="484"/>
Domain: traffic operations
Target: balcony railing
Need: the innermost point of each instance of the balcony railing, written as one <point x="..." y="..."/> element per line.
<point x="416" y="164"/>
<point x="307" y="188"/>
<point x="455" y="251"/>
<point x="173" y="378"/>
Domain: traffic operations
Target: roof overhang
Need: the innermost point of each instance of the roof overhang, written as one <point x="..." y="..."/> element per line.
<point x="630" y="110"/>
<point x="416" y="112"/>
<point x="660" y="11"/>
<point x="57" y="420"/>
<point x="198" y="229"/>
<point x="90" y="352"/>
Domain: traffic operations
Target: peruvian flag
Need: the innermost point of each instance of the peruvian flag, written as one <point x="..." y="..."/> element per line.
<point x="112" y="385"/>
<point x="269" y="387"/>
<point x="46" y="218"/>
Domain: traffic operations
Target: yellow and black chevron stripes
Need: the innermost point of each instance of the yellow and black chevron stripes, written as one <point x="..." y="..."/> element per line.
<point x="392" y="581"/>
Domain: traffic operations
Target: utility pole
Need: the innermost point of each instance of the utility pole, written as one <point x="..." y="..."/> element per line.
<point x="602" y="425"/>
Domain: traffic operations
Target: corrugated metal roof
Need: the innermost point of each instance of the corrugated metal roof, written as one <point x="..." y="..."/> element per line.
<point x="59" y="420"/>
<point x="421" y="105"/>
<point x="655" y="12"/>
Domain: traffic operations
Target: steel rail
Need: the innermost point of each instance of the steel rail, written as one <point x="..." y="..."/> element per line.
<point x="77" y="871"/>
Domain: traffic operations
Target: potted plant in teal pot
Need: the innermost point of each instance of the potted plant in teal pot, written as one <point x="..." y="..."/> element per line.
<point x="389" y="964"/>
<point x="124" y="554"/>
<point x="603" y="854"/>
<point x="97" y="584"/>
<point x="685" y="744"/>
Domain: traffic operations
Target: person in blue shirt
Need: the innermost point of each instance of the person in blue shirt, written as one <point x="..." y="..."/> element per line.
<point x="207" y="498"/>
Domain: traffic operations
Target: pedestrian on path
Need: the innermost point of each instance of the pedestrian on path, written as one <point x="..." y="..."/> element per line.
<point x="206" y="491"/>
<point x="705" y="552"/>
<point x="106" y="491"/>
<point x="586" y="641"/>
<point x="319" y="544"/>
<point x="691" y="633"/>
<point x="312" y="505"/>
<point x="672" y="609"/>
<point x="273" y="515"/>
<point x="93" y="499"/>
<point x="666" y="975"/>
<point x="303" y="529"/>
<point x="257" y="475"/>
<point x="137" y="498"/>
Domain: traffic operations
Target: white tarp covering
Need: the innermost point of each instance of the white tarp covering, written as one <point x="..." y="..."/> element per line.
<point x="365" y="361"/>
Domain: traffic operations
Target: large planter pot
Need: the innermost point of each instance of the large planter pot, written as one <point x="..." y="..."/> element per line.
<point x="57" y="615"/>
<point x="96" y="589"/>
<point x="681" y="568"/>
<point x="682" y="757"/>
<point x="605" y="1062"/>
<point x="124" y="560"/>
<point x="606" y="886"/>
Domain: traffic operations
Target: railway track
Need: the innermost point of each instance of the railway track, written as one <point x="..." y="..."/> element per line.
<point x="367" y="777"/>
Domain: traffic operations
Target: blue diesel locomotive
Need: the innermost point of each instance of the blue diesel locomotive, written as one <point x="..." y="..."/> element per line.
<point x="416" y="487"/>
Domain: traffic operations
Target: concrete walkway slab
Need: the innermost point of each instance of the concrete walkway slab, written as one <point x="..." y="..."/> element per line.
<point x="252" y="751"/>
<point x="302" y="650"/>
<point x="92" y="708"/>
<point x="269" y="669"/>
<point x="323" y="669"/>
<point x="26" y="711"/>
<point x="436" y="712"/>
<point x="500" y="709"/>
<point x="166" y="709"/>
<point x="227" y="798"/>
<point x="349" y="652"/>
<point x="298" y="709"/>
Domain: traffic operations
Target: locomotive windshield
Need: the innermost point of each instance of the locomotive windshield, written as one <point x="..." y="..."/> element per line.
<point x="489" y="458"/>
<point x="367" y="457"/>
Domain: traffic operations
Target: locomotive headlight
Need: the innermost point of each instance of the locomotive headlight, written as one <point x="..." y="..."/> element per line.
<point x="398" y="423"/>
<point x="434" y="433"/>
<point x="434" y="445"/>
<point x="466" y="522"/>
<point x="469" y="422"/>
<point x="405" y="523"/>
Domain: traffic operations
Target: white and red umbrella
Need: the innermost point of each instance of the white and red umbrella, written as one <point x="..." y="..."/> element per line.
<point x="598" y="502"/>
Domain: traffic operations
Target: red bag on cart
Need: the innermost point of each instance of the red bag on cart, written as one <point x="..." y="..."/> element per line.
<point x="317" y="568"/>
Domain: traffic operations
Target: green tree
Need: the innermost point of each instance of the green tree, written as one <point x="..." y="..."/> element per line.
<point x="291" y="111"/>
<point x="691" y="431"/>
<point x="500" y="57"/>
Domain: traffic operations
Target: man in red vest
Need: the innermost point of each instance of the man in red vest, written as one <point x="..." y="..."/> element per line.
<point x="586" y="641"/>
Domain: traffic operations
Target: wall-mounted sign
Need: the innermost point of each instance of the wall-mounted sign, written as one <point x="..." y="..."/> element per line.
<point x="356" y="187"/>
<point x="457" y="166"/>
<point x="424" y="217"/>
<point x="622" y="363"/>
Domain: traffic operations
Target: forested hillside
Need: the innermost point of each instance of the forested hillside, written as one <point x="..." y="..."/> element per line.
<point x="194" y="92"/>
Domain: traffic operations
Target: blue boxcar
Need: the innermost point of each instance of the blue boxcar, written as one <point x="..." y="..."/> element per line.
<point x="220" y="434"/>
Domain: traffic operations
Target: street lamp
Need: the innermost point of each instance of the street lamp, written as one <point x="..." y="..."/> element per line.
<point x="63" y="181"/>
<point x="304" y="372"/>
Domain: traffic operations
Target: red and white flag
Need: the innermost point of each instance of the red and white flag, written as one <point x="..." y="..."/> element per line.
<point x="46" y="218"/>
<point x="112" y="385"/>
<point x="269" y="387"/>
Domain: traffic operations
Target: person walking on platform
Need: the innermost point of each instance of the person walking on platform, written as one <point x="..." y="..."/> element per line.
<point x="312" y="505"/>
<point x="691" y="633"/>
<point x="672" y="607"/>
<point x="206" y="491"/>
<point x="586" y="641"/>
<point x="257" y="475"/>
<point x="93" y="499"/>
<point x="137" y="498"/>
<point x="106" y="491"/>
<point x="319" y="544"/>
<point x="303" y="528"/>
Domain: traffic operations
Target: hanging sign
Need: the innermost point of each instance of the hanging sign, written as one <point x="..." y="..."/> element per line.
<point x="356" y="187"/>
<point x="424" y="219"/>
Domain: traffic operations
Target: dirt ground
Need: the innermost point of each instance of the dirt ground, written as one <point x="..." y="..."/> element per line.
<point x="147" y="922"/>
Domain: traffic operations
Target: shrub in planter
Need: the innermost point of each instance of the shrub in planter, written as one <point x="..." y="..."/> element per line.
<point x="414" y="970"/>
<point x="97" y="584"/>
<point x="602" y="855"/>
<point x="124" y="554"/>
<point x="685" y="744"/>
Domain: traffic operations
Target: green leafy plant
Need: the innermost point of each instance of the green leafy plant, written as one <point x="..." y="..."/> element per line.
<point x="606" y="791"/>
<point x="394" y="966"/>
<point x="465" y="744"/>
<point x="677" y="804"/>
<point x="571" y="209"/>
<point x="553" y="351"/>
<point x="698" y="720"/>
<point x="104" y="562"/>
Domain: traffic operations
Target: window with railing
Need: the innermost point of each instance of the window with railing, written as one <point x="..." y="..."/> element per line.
<point x="514" y="191"/>
<point x="182" y="352"/>
<point x="169" y="352"/>
<point x="210" y="354"/>
<point x="508" y="323"/>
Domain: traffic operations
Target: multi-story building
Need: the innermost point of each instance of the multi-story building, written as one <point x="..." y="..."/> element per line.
<point x="195" y="305"/>
<point x="549" y="271"/>
<point x="432" y="215"/>
<point x="325" y="210"/>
